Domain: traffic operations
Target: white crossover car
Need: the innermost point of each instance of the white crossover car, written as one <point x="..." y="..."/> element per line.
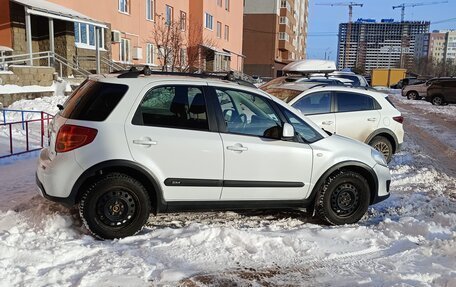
<point x="358" y="113"/>
<point x="127" y="145"/>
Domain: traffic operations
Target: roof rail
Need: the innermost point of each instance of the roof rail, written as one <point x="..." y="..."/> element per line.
<point x="146" y="71"/>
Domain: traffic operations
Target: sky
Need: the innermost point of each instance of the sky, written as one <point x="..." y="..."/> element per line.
<point x="324" y="20"/>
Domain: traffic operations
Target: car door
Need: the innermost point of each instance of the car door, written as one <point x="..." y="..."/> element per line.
<point x="357" y="115"/>
<point x="170" y="134"/>
<point x="259" y="165"/>
<point x="318" y="107"/>
<point x="449" y="91"/>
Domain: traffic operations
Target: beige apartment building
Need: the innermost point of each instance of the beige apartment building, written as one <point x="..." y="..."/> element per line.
<point x="275" y="33"/>
<point x="109" y="34"/>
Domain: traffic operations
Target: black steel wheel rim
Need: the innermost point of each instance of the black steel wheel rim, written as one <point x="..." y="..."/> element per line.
<point x="345" y="200"/>
<point x="116" y="208"/>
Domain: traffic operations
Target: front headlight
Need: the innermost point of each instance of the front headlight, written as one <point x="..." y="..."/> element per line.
<point x="378" y="157"/>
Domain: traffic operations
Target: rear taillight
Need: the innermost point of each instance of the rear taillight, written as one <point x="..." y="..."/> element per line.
<point x="71" y="137"/>
<point x="399" y="119"/>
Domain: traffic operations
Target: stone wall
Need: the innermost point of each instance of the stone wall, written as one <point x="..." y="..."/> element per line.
<point x="8" y="99"/>
<point x="27" y="76"/>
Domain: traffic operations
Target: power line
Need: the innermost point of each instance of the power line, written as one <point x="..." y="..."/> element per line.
<point x="444" y="21"/>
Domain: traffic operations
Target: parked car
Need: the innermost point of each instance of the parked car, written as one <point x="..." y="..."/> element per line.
<point x="125" y="146"/>
<point x="405" y="82"/>
<point x="358" y="80"/>
<point x="361" y="114"/>
<point x="415" y="91"/>
<point x="442" y="91"/>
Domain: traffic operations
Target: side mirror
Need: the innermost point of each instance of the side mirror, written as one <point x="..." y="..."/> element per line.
<point x="288" y="131"/>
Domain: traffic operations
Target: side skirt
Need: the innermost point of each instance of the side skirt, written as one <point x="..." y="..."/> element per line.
<point x="177" y="206"/>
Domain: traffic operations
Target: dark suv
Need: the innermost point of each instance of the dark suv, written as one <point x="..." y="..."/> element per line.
<point x="442" y="91"/>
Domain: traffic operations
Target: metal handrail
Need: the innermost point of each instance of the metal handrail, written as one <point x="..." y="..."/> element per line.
<point x="113" y="66"/>
<point x="52" y="57"/>
<point x="44" y="117"/>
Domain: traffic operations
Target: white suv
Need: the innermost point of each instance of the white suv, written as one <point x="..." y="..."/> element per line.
<point x="123" y="148"/>
<point x="358" y="113"/>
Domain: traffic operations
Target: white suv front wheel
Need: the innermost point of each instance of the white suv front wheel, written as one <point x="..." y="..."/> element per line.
<point x="343" y="199"/>
<point x="115" y="206"/>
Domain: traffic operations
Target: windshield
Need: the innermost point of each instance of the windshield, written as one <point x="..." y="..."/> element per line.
<point x="285" y="95"/>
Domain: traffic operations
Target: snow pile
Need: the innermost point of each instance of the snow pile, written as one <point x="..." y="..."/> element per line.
<point x="15" y="89"/>
<point x="428" y="108"/>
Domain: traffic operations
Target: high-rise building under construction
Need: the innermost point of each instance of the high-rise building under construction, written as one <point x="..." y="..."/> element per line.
<point x="384" y="44"/>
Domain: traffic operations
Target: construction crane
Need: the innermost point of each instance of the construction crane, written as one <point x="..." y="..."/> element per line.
<point x="405" y="5"/>
<point x="350" y="16"/>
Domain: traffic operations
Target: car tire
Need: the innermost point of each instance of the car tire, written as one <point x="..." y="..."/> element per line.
<point x="343" y="199"/>
<point x="413" y="95"/>
<point x="437" y="100"/>
<point x="384" y="146"/>
<point x="115" y="206"/>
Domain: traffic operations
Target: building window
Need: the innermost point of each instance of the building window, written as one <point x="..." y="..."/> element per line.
<point x="219" y="3"/>
<point x="219" y="30"/>
<point x="169" y="15"/>
<point x="227" y="5"/>
<point x="150" y="10"/>
<point x="227" y="32"/>
<point x="123" y="6"/>
<point x="84" y="36"/>
<point x="183" y="20"/>
<point x="209" y="21"/>
<point x="125" y="50"/>
<point x="150" y="54"/>
<point x="283" y="20"/>
<point x="283" y="36"/>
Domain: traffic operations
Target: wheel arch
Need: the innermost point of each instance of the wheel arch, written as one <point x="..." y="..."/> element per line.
<point x="384" y="133"/>
<point x="363" y="169"/>
<point x="130" y="168"/>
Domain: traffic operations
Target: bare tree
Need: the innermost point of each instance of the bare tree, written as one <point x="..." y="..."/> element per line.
<point x="198" y="49"/>
<point x="426" y="66"/>
<point x="181" y="47"/>
<point x="170" y="41"/>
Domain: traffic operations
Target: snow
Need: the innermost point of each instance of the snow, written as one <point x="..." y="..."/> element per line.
<point x="56" y="87"/>
<point x="407" y="240"/>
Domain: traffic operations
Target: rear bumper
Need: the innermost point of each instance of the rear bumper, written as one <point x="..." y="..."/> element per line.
<point x="62" y="200"/>
<point x="56" y="178"/>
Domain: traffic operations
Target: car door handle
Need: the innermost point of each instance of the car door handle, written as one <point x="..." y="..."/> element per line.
<point x="327" y="123"/>
<point x="237" y="147"/>
<point x="145" y="142"/>
<point x="372" y="119"/>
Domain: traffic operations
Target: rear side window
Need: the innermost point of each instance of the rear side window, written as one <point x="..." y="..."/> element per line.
<point x="349" y="102"/>
<point x="316" y="103"/>
<point x="173" y="107"/>
<point x="93" y="101"/>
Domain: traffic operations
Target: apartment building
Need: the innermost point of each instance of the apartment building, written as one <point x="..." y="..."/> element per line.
<point x="439" y="46"/>
<point x="430" y="45"/>
<point x="275" y="33"/>
<point x="127" y="32"/>
<point x="384" y="44"/>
